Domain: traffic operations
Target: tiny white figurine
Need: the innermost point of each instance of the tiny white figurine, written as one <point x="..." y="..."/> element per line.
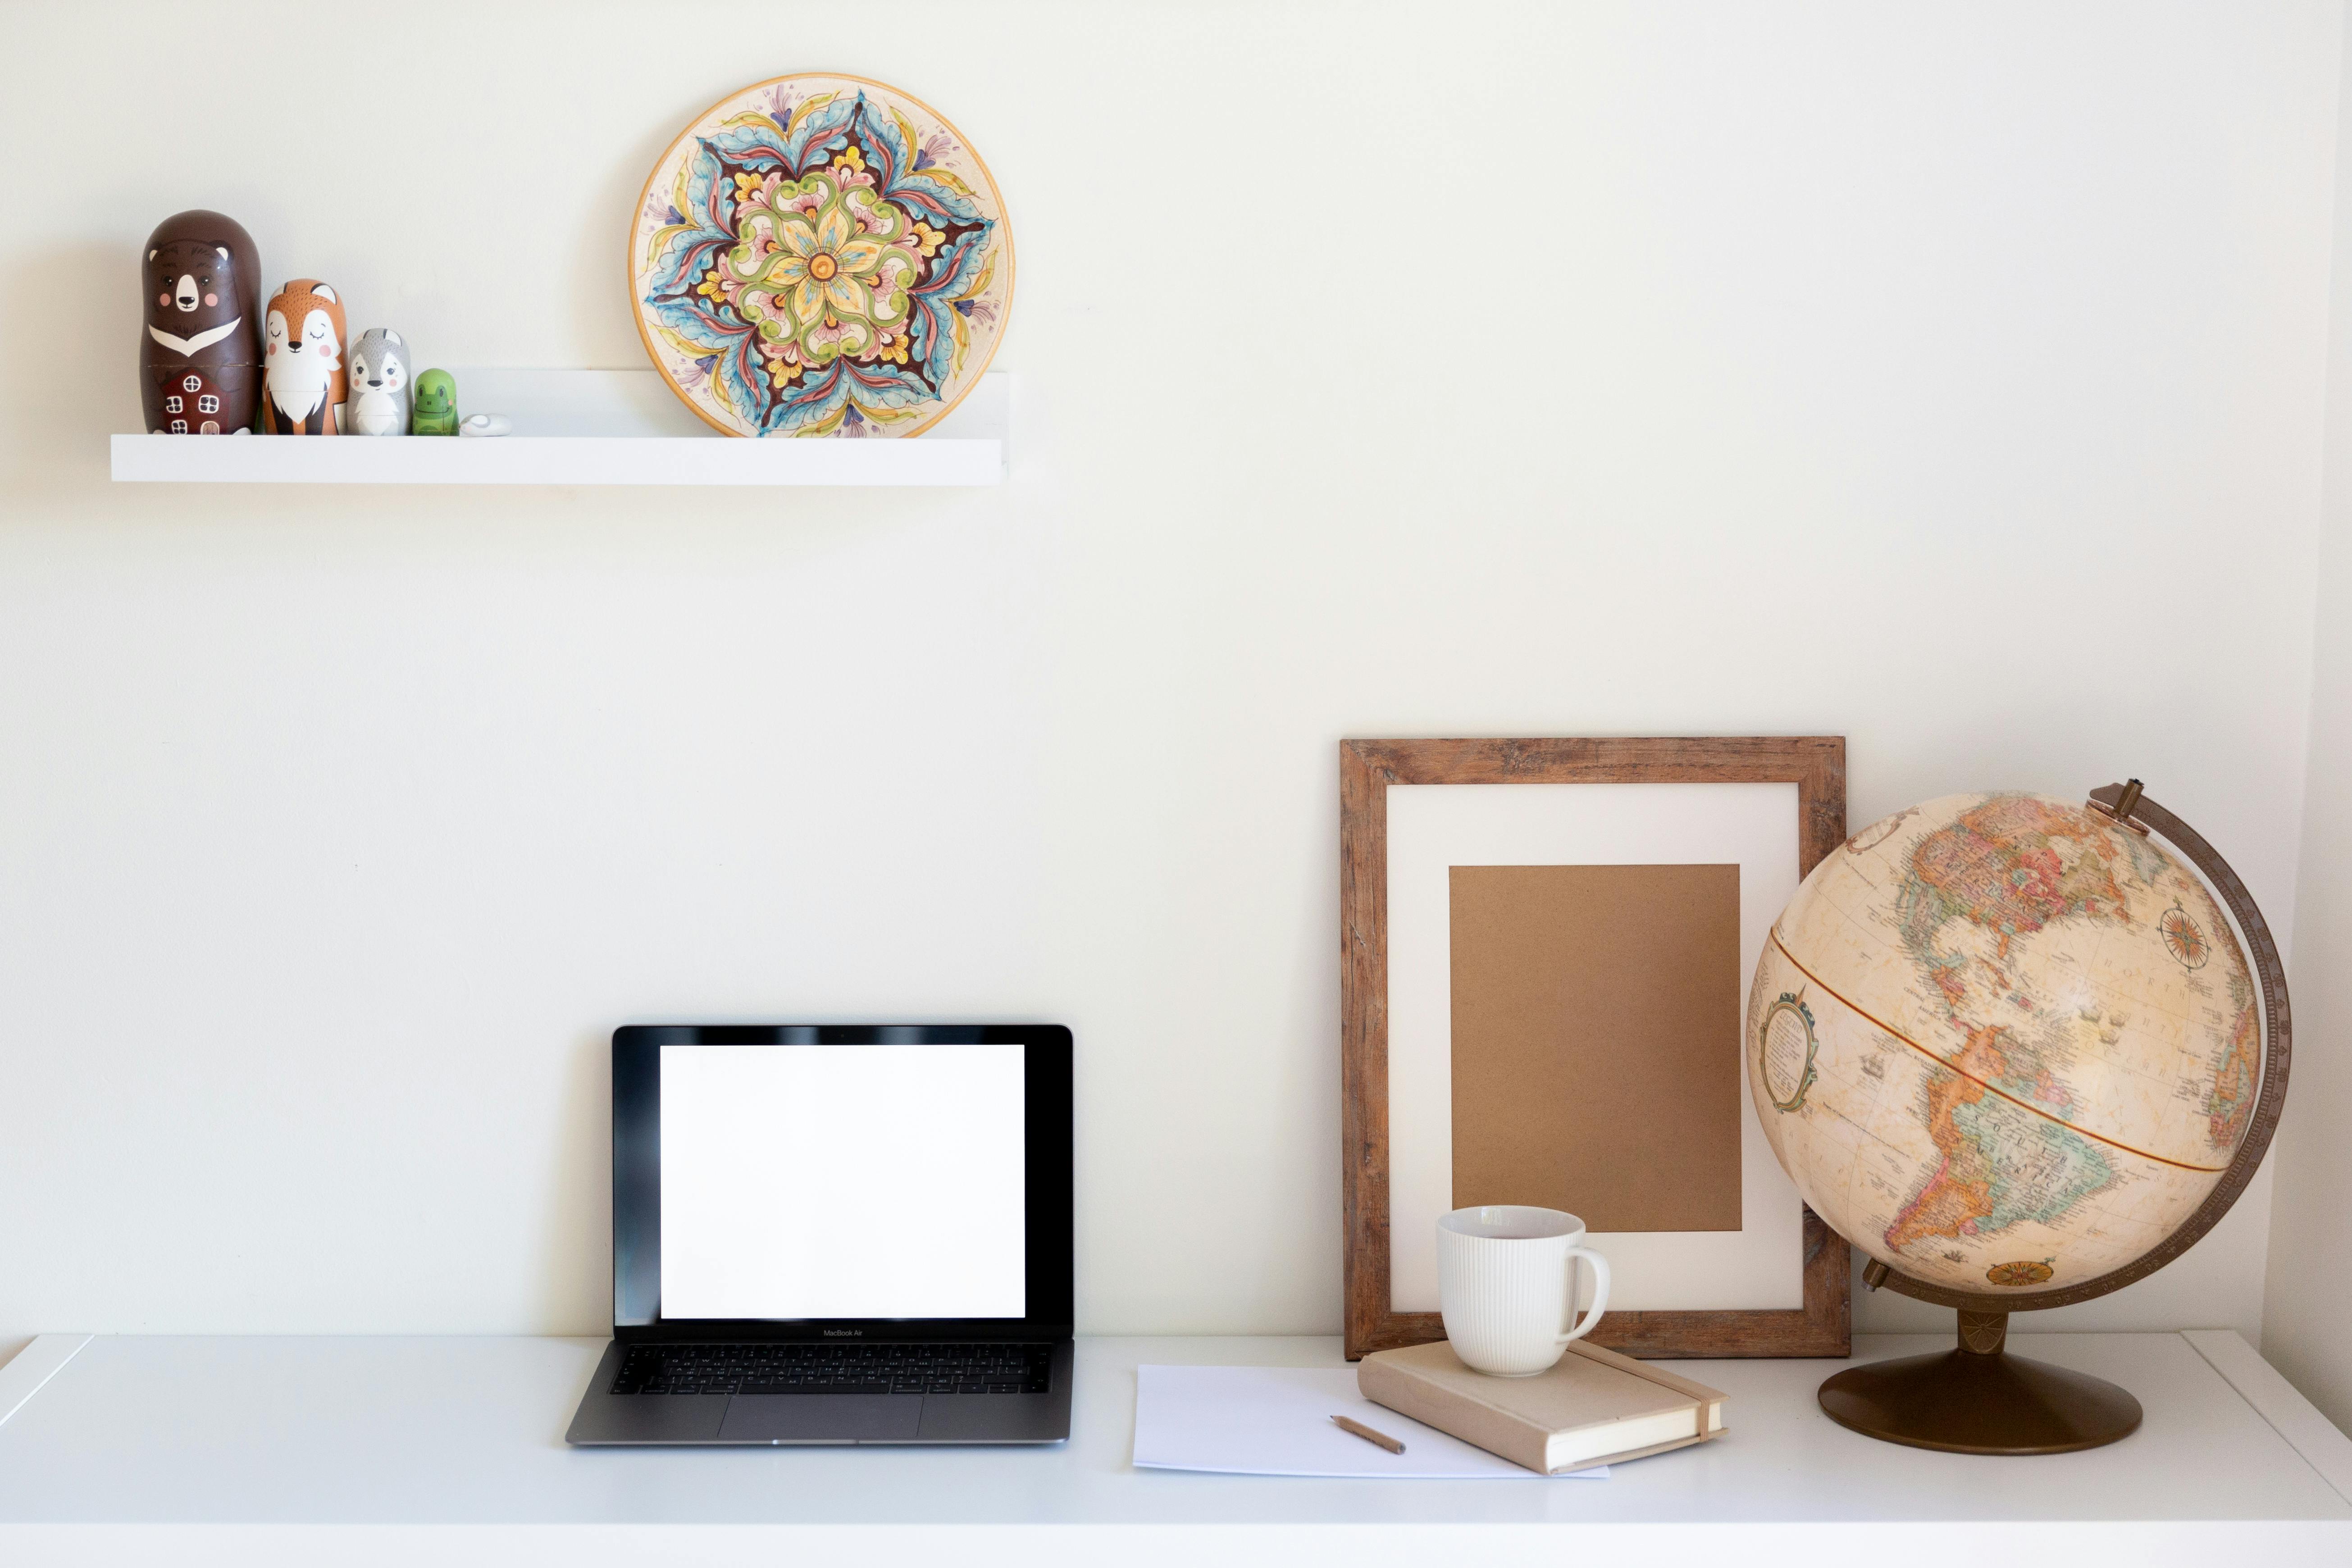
<point x="380" y="394"/>
<point x="485" y="424"/>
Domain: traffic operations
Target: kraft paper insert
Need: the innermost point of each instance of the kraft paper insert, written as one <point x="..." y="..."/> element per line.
<point x="1596" y="1042"/>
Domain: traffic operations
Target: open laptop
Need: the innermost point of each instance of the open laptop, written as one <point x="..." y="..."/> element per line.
<point x="838" y="1234"/>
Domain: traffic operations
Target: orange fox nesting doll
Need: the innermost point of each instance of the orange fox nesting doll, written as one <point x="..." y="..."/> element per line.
<point x="200" y="357"/>
<point x="303" y="380"/>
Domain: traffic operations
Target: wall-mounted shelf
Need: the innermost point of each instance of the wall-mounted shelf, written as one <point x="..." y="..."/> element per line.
<point x="588" y="428"/>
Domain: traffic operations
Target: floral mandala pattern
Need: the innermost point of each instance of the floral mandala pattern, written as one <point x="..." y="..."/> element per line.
<point x="820" y="256"/>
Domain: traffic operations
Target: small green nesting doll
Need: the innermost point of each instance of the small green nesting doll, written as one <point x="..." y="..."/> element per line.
<point x="436" y="405"/>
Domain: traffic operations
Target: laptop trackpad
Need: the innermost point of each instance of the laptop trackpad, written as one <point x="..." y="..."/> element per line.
<point x="822" y="1417"/>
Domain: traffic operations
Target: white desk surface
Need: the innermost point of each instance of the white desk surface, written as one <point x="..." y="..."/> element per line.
<point x="404" y="1450"/>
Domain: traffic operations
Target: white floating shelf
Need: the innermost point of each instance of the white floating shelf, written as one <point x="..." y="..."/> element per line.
<point x="588" y="428"/>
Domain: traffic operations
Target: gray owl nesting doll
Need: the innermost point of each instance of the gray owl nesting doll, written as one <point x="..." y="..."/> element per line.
<point x="381" y="389"/>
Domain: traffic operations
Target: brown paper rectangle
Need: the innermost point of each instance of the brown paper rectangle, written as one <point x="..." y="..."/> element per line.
<point x="1596" y="1042"/>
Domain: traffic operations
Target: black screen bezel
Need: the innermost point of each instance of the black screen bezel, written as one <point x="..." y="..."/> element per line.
<point x="636" y="1182"/>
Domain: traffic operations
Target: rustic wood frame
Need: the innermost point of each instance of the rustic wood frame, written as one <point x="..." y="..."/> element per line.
<point x="1815" y="764"/>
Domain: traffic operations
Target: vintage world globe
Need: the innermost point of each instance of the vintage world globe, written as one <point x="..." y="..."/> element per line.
<point x="2004" y="1044"/>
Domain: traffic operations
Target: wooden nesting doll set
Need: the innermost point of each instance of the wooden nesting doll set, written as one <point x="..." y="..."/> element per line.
<point x="215" y="362"/>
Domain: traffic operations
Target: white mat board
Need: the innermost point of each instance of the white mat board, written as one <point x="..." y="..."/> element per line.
<point x="1432" y="828"/>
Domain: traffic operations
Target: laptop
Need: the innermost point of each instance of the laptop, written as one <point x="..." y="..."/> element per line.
<point x="838" y="1234"/>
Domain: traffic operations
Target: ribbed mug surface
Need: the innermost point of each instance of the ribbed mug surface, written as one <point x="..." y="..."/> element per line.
<point x="1506" y="1277"/>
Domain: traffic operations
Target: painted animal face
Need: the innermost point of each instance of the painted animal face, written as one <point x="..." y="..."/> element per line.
<point x="382" y="372"/>
<point x="190" y="286"/>
<point x="303" y="333"/>
<point x="314" y="335"/>
<point x="435" y="394"/>
<point x="380" y="361"/>
<point x="386" y="372"/>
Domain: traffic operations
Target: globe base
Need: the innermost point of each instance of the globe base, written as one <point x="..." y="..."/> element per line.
<point x="1978" y="1399"/>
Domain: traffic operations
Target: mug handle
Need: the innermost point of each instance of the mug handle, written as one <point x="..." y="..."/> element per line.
<point x="1600" y="1292"/>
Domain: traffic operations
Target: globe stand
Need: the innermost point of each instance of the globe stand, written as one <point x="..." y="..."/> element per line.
<point x="1978" y="1399"/>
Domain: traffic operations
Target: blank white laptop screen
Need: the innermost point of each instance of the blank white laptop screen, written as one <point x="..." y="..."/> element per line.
<point x="843" y="1182"/>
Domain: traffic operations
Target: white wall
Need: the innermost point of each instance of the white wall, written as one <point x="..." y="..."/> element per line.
<point x="2307" y="1305"/>
<point x="1947" y="377"/>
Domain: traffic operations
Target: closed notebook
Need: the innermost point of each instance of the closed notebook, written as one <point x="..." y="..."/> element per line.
<point x="1594" y="1407"/>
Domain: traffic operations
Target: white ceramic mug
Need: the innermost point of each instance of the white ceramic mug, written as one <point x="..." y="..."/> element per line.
<point x="1507" y="1286"/>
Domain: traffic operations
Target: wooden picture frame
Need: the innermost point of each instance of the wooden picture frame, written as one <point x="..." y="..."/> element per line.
<point x="1815" y="764"/>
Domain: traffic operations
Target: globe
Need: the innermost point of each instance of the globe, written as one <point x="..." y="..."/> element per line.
<point x="2003" y="1043"/>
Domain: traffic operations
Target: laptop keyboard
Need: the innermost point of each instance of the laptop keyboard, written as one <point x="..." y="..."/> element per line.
<point x="834" y="1369"/>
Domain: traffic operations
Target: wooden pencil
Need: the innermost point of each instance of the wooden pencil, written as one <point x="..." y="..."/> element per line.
<point x="1368" y="1435"/>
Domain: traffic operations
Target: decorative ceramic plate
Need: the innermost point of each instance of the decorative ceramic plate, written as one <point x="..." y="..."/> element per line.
<point x="821" y="256"/>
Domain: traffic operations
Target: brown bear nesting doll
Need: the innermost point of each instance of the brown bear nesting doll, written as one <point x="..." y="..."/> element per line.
<point x="303" y="380"/>
<point x="200" y="357"/>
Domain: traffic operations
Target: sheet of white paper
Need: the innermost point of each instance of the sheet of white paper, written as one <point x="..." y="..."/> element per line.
<point x="1276" y="1421"/>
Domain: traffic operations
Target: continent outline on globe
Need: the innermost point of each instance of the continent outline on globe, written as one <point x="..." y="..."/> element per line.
<point x="2014" y="1076"/>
